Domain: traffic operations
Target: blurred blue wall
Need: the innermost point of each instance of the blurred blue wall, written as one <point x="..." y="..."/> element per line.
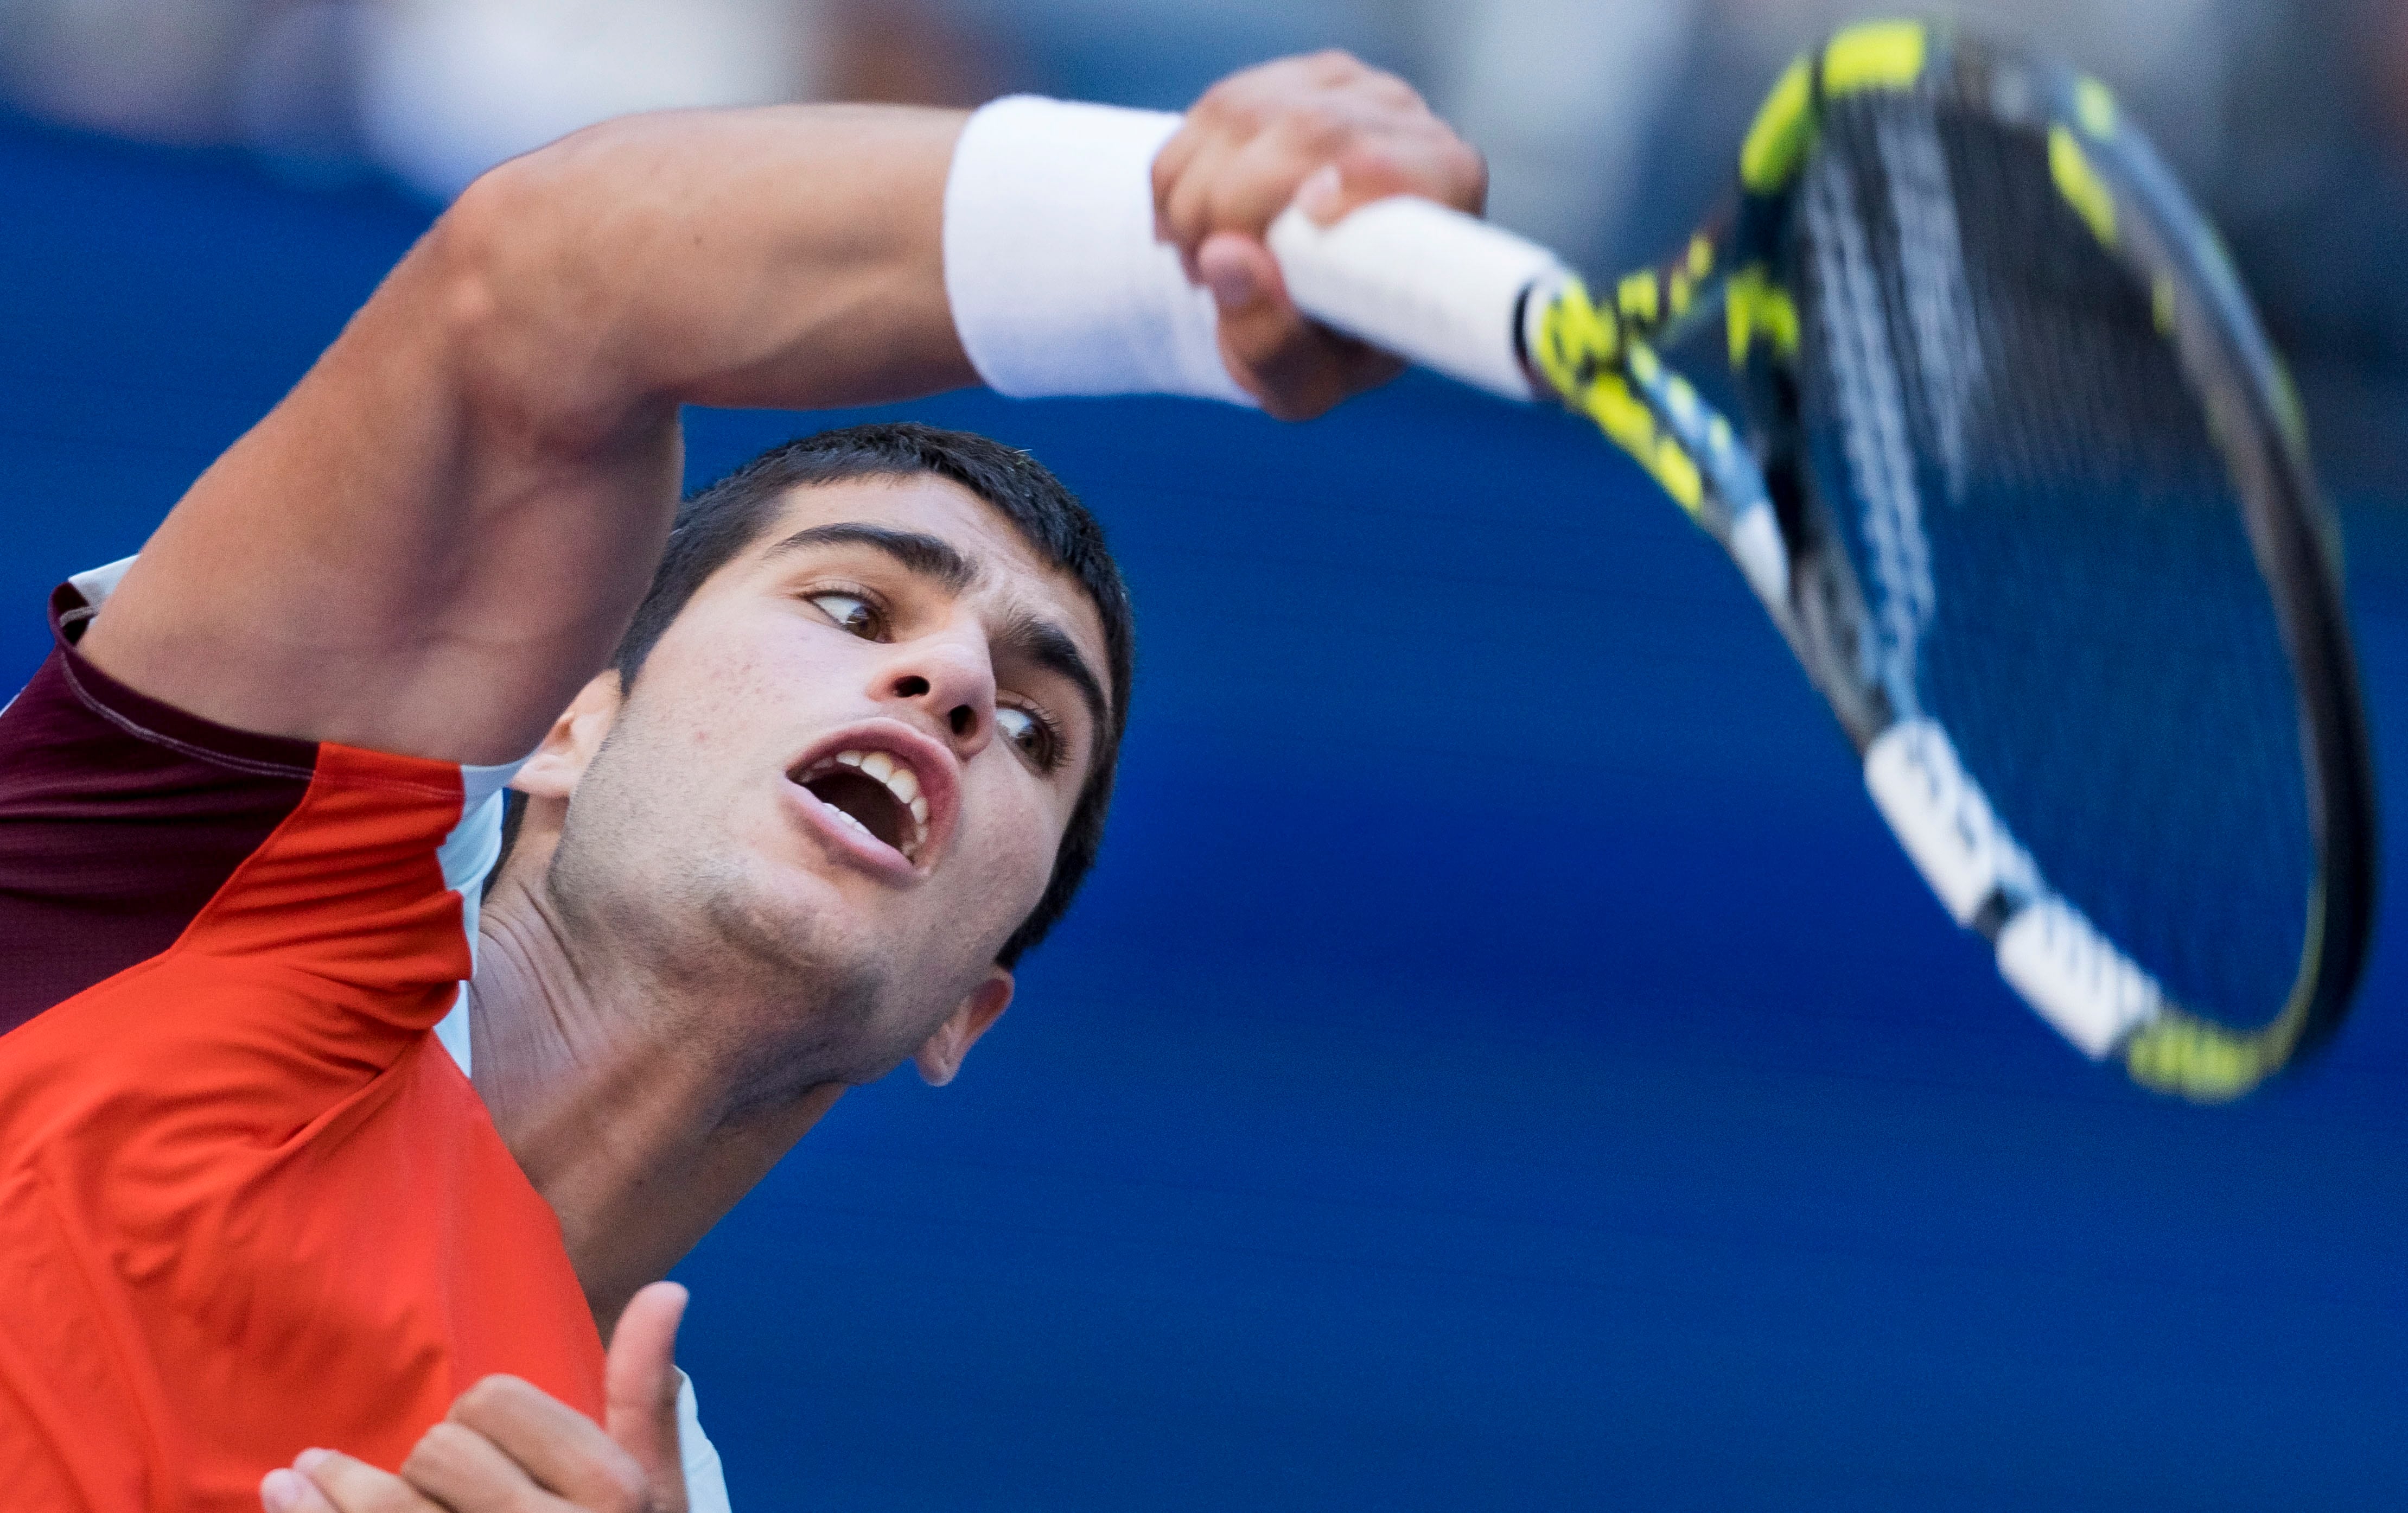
<point x="1501" y="1061"/>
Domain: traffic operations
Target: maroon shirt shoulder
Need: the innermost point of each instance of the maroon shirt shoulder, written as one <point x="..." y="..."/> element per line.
<point x="120" y="818"/>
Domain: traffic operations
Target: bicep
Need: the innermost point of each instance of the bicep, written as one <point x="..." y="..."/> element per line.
<point x="441" y="532"/>
<point x="403" y="555"/>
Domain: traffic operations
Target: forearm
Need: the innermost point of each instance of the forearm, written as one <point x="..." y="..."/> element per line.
<point x="789" y="257"/>
<point x="440" y="533"/>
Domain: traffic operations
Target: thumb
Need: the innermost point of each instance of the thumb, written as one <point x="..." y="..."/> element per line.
<point x="1240" y="273"/>
<point x="640" y="1389"/>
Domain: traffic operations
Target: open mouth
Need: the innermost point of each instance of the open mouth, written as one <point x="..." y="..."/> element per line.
<point x="873" y="793"/>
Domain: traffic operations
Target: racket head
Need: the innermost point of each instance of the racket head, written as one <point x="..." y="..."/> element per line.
<point x="2050" y="540"/>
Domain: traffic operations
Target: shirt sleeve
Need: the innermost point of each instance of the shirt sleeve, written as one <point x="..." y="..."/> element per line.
<point x="706" y="1482"/>
<point x="130" y="828"/>
<point x="120" y="817"/>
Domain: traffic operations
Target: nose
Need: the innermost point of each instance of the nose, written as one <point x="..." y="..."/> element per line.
<point x="946" y="685"/>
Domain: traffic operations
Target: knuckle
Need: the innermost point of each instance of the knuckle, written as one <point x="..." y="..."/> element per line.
<point x="362" y="1489"/>
<point x="1396" y="95"/>
<point x="1183" y="218"/>
<point x="1372" y="163"/>
<point x="1215" y="102"/>
<point x="440" y="1444"/>
<point x="1315" y="123"/>
<point x="490" y="1392"/>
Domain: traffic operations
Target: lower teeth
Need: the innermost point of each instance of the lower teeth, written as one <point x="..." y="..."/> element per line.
<point x="858" y="825"/>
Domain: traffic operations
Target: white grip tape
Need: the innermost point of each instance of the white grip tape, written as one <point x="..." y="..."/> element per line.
<point x="1411" y="276"/>
<point x="1942" y="819"/>
<point x="2092" y="993"/>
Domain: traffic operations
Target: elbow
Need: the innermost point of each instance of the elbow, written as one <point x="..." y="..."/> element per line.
<point x="465" y="259"/>
<point x="519" y="298"/>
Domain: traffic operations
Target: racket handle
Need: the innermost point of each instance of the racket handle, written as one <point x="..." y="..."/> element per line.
<point x="1432" y="285"/>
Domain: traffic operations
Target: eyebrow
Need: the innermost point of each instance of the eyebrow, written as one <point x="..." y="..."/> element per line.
<point x="942" y="562"/>
<point x="1049" y="646"/>
<point x="928" y="556"/>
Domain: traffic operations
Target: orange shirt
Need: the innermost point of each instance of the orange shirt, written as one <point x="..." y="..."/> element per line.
<point x="246" y="1203"/>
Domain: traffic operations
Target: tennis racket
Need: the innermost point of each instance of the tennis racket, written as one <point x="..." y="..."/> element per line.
<point x="2026" y="490"/>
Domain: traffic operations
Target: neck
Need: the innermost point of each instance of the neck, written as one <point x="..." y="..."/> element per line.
<point x="630" y="1131"/>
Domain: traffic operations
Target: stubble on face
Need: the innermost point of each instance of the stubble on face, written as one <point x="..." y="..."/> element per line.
<point x="758" y="993"/>
<point x="670" y="871"/>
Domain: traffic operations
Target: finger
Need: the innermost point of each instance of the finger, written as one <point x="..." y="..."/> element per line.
<point x="1242" y="276"/>
<point x="1373" y="164"/>
<point x="1322" y="196"/>
<point x="1184" y="214"/>
<point x="640" y="1388"/>
<point x="1252" y="181"/>
<point x="1170" y="165"/>
<point x="562" y="1449"/>
<point x="1302" y="371"/>
<point x="286" y="1491"/>
<point x="462" y="1469"/>
<point x="1237" y="159"/>
<point x="1298" y="369"/>
<point x="1244" y="187"/>
<point x="356" y="1486"/>
<point x="1218" y="128"/>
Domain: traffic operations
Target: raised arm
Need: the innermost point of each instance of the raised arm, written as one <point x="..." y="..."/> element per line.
<point x="440" y="534"/>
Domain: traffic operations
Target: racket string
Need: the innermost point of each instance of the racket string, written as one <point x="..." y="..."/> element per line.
<point x="2052" y="549"/>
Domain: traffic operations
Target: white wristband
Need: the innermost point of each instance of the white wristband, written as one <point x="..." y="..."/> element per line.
<point x="1057" y="284"/>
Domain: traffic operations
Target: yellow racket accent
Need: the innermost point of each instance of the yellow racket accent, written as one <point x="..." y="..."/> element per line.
<point x="2206" y="1062"/>
<point x="1776" y="143"/>
<point x="2210" y="1063"/>
<point x="1575" y="339"/>
<point x="1875" y="55"/>
<point x="1883" y="54"/>
<point x="1752" y="306"/>
<point x="1636" y="297"/>
<point x="2081" y="185"/>
<point x="1578" y="348"/>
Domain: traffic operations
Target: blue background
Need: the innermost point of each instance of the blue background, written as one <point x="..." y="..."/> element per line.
<point x="1501" y="1060"/>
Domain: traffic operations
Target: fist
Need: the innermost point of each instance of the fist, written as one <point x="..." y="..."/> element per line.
<point x="1331" y="134"/>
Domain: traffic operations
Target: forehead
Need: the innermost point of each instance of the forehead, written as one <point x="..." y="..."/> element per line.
<point x="1012" y="577"/>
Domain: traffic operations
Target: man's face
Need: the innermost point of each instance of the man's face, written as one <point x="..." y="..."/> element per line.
<point x="838" y="784"/>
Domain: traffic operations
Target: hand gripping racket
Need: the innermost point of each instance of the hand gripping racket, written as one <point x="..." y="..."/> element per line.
<point x="2027" y="491"/>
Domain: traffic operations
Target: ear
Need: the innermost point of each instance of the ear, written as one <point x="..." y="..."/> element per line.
<point x="569" y="746"/>
<point x="940" y="1054"/>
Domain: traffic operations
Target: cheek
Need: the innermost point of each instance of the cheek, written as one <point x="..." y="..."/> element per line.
<point x="1014" y="843"/>
<point x="735" y="698"/>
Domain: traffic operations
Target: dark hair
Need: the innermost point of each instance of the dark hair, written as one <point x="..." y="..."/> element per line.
<point x="721" y="520"/>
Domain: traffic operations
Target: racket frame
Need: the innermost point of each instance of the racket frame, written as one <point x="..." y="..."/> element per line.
<point x="1602" y="359"/>
<point x="1441" y="289"/>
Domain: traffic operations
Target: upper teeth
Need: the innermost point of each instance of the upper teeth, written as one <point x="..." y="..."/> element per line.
<point x="900" y="781"/>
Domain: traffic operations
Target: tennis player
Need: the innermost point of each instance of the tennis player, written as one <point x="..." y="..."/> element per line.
<point x="850" y="762"/>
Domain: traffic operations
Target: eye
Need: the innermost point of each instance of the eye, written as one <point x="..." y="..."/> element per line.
<point x="1031" y="734"/>
<point x="852" y="612"/>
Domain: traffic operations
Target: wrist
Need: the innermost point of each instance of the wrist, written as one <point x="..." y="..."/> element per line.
<point x="1057" y="283"/>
